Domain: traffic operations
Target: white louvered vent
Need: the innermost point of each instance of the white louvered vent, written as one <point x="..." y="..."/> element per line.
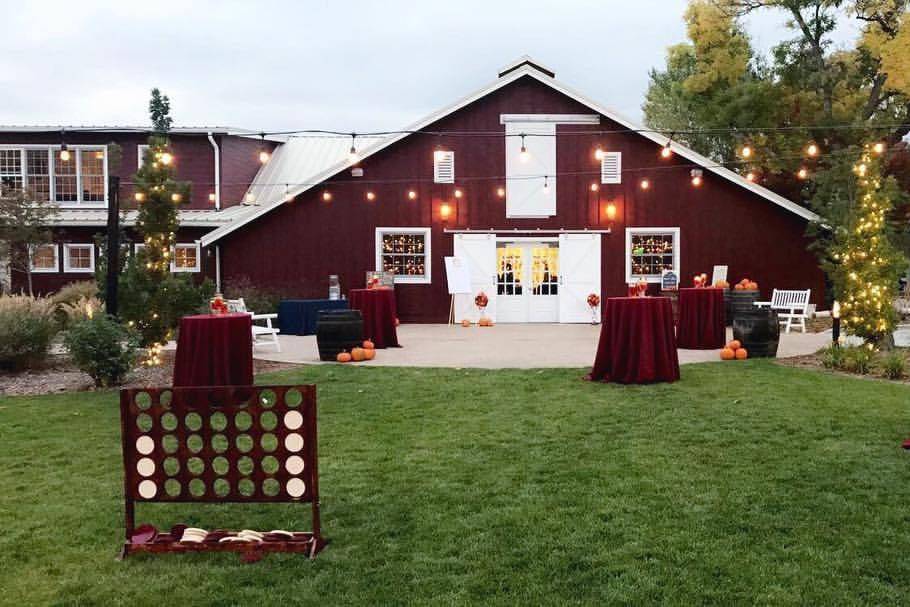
<point x="443" y="167"/>
<point x="611" y="167"/>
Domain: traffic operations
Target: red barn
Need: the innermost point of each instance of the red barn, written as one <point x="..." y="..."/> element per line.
<point x="545" y="195"/>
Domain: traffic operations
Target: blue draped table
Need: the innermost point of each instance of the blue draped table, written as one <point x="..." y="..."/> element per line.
<point x="299" y="316"/>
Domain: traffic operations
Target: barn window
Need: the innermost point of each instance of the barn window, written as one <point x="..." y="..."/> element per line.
<point x="186" y="258"/>
<point x="78" y="258"/>
<point x="81" y="178"/>
<point x="611" y="167"/>
<point x="44" y="258"/>
<point x="650" y="251"/>
<point x="141" y="150"/>
<point x="404" y="251"/>
<point x="11" y="175"/>
<point x="443" y="167"/>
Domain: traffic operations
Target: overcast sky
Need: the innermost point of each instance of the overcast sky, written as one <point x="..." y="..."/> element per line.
<point x="344" y="64"/>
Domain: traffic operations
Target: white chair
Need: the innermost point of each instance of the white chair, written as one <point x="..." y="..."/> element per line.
<point x="792" y="307"/>
<point x="263" y="336"/>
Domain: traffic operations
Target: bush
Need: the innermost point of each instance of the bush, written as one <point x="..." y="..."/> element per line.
<point x="261" y="300"/>
<point x="833" y="357"/>
<point x="27" y="327"/>
<point x="894" y="365"/>
<point x="75" y="292"/>
<point x="857" y="360"/>
<point x="102" y="348"/>
<point x="67" y="313"/>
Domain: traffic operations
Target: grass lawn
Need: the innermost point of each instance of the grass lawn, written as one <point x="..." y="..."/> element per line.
<point x="744" y="483"/>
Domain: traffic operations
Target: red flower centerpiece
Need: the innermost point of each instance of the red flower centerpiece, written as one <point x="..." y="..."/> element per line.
<point x="481" y="301"/>
<point x="593" y="302"/>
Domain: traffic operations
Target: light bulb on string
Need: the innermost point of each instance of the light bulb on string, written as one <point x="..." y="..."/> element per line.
<point x="352" y="153"/>
<point x="667" y="150"/>
<point x="812" y="150"/>
<point x="879" y="148"/>
<point x="751" y="176"/>
<point x="746" y="151"/>
<point x="594" y="187"/>
<point x="412" y="195"/>
<point x="371" y="196"/>
<point x="546" y="184"/>
<point x="523" y="155"/>
<point x="64" y="151"/>
<point x="644" y="184"/>
<point x="458" y="193"/>
<point x="802" y="173"/>
<point x="264" y="154"/>
<point x="501" y="192"/>
<point x="696" y="175"/>
<point x="326" y="195"/>
<point x="599" y="153"/>
<point x="165" y="158"/>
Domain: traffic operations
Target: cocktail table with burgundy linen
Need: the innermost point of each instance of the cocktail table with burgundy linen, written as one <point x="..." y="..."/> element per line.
<point x="701" y="319"/>
<point x="637" y="344"/>
<point x="214" y="350"/>
<point x="377" y="306"/>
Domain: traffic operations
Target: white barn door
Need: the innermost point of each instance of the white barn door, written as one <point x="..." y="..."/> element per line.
<point x="478" y="251"/>
<point x="579" y="275"/>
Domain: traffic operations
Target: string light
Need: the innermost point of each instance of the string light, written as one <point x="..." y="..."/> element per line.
<point x="812" y="150"/>
<point x="64" y="151"/>
<point x="352" y="153"/>
<point x="803" y="173"/>
<point x="599" y="153"/>
<point x="751" y="176"/>
<point x="412" y="195"/>
<point x="326" y="195"/>
<point x="175" y="197"/>
<point x="523" y="154"/>
<point x="879" y="148"/>
<point x="211" y="196"/>
<point x="165" y="158"/>
<point x="371" y="196"/>
<point x="644" y="184"/>
<point x="250" y="197"/>
<point x="264" y="154"/>
<point x="546" y="184"/>
<point x="458" y="193"/>
<point x="667" y="150"/>
<point x="696" y="177"/>
<point x="139" y="196"/>
<point x="594" y="187"/>
<point x="501" y="192"/>
<point x="746" y="151"/>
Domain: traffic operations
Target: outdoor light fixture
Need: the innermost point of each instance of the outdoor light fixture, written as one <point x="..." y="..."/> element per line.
<point x="412" y="195"/>
<point x="599" y="153"/>
<point x="803" y="173"/>
<point x="644" y="184"/>
<point x="371" y="196"/>
<point x="501" y="192"/>
<point x="666" y="151"/>
<point x="812" y="150"/>
<point x="249" y="197"/>
<point x="523" y="155"/>
<point x="64" y="152"/>
<point x="835" y="328"/>
<point x="696" y="175"/>
<point x="445" y="210"/>
<point x="458" y="193"/>
<point x="211" y="196"/>
<point x="611" y="211"/>
<point x="352" y="153"/>
<point x="263" y="153"/>
<point x="326" y="195"/>
<point x="594" y="187"/>
<point x="746" y="151"/>
<point x="879" y="148"/>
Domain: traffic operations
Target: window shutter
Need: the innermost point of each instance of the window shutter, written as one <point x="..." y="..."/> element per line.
<point x="443" y="167"/>
<point x="611" y="167"/>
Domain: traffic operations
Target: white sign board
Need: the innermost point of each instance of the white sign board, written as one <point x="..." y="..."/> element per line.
<point x="458" y="276"/>
<point x="720" y="273"/>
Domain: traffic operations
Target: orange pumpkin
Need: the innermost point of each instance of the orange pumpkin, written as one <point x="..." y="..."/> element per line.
<point x="744" y="281"/>
<point x="727" y="354"/>
<point x="742" y="354"/>
<point x="369" y="353"/>
<point x="343" y="357"/>
<point x="752" y="286"/>
<point x="368" y="345"/>
<point x="397" y="322"/>
<point x="358" y="354"/>
<point x="739" y="287"/>
<point x="734" y="345"/>
<point x="466" y="323"/>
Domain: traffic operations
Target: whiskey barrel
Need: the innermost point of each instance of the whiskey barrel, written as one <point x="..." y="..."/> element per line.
<point x="741" y="301"/>
<point x="728" y="308"/>
<point x="759" y="332"/>
<point x="338" y="330"/>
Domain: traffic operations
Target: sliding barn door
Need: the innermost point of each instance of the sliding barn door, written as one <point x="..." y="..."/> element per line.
<point x="478" y="251"/>
<point x="579" y="275"/>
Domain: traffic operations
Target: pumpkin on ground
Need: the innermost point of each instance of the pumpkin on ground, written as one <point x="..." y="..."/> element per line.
<point x="734" y="345"/>
<point x="465" y="323"/>
<point x="368" y="345"/>
<point x="343" y="357"/>
<point x="742" y="354"/>
<point x="358" y="354"/>
<point x="727" y="354"/>
<point x="369" y="353"/>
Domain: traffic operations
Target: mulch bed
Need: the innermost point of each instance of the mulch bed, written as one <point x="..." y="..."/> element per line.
<point x="59" y="375"/>
<point x="814" y="362"/>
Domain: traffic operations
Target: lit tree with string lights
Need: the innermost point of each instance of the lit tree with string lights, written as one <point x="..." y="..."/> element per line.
<point x="865" y="264"/>
<point x="158" y="195"/>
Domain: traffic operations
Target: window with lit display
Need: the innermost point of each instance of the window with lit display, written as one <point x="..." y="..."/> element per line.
<point x="651" y="251"/>
<point x="404" y="252"/>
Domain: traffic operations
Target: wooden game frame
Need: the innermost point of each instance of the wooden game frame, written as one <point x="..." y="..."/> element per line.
<point x="221" y="444"/>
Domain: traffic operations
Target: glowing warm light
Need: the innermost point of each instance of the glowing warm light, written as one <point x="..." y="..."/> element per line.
<point x="611" y="211"/>
<point x="264" y="156"/>
<point x="803" y="173"/>
<point x="175" y="197"/>
<point x="458" y="193"/>
<point x="250" y="197"/>
<point x="696" y="181"/>
<point x="99" y="155"/>
<point x="599" y="153"/>
<point x="64" y="153"/>
<point x="211" y="196"/>
<point x="666" y="151"/>
<point x="412" y="195"/>
<point x="139" y="196"/>
<point x="326" y="196"/>
<point x="812" y="150"/>
<point x="696" y="177"/>
<point x="371" y="196"/>
<point x="746" y="151"/>
<point x="644" y="184"/>
<point x="879" y="148"/>
<point x="165" y="158"/>
<point x="750" y="176"/>
<point x="501" y="192"/>
<point x="594" y="187"/>
<point x="445" y="210"/>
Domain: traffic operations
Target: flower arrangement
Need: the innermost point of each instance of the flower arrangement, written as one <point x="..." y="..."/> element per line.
<point x="593" y="300"/>
<point x="481" y="300"/>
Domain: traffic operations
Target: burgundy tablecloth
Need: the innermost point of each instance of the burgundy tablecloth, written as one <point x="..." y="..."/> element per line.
<point x="701" y="319"/>
<point x="215" y="351"/>
<point x="379" y="313"/>
<point x="637" y="344"/>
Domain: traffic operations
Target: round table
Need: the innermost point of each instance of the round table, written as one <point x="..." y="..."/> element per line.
<point x="215" y="350"/>
<point x="701" y="319"/>
<point x="377" y="306"/>
<point x="637" y="344"/>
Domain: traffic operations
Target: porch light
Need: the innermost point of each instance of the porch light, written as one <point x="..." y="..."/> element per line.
<point x="445" y="210"/>
<point x="412" y="195"/>
<point x="523" y="155"/>
<point x="611" y="211"/>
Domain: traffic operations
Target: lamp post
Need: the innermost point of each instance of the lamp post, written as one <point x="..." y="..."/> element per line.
<point x="113" y="245"/>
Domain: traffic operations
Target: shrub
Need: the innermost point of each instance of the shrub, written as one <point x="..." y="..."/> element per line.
<point x="894" y="365"/>
<point x="857" y="360"/>
<point x="833" y="357"/>
<point x="102" y="348"/>
<point x="261" y="300"/>
<point x="75" y="291"/>
<point x="67" y="313"/>
<point x="27" y="327"/>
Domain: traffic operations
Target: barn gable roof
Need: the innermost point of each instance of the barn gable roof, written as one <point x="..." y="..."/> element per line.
<point x="333" y="162"/>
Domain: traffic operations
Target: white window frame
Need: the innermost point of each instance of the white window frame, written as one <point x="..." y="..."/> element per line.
<point x="55" y="269"/>
<point x="675" y="231"/>
<point x="186" y="245"/>
<point x="53" y="156"/>
<point x="141" y="150"/>
<point x="66" y="258"/>
<point x="428" y="258"/>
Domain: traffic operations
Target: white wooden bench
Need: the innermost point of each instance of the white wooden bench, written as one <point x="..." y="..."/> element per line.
<point x="263" y="336"/>
<point x="792" y="307"/>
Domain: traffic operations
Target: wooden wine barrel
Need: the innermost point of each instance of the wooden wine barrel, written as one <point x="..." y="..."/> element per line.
<point x="338" y="330"/>
<point x="728" y="307"/>
<point x="759" y="332"/>
<point x="741" y="301"/>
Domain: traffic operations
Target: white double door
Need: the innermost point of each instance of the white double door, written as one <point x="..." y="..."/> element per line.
<point x="530" y="280"/>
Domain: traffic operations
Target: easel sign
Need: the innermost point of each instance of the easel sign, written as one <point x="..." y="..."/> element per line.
<point x="669" y="281"/>
<point x="719" y="274"/>
<point x="458" y="276"/>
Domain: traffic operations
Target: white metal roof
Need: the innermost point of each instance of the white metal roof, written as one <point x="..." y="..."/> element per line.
<point x="102" y="128"/>
<point x="527" y="67"/>
<point x="193" y="218"/>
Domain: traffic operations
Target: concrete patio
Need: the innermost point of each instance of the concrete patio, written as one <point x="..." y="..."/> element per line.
<point x="524" y="346"/>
